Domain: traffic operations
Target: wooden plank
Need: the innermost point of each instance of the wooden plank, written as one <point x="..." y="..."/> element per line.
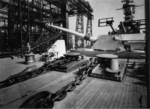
<point x="85" y="97"/>
<point x="90" y="100"/>
<point x="135" y="97"/>
<point x="144" y="103"/>
<point x="121" y="98"/>
<point x="98" y="96"/>
<point x="113" y="90"/>
<point x="127" y="83"/>
<point x="125" y="104"/>
<point x="110" y="101"/>
<point x="129" y="98"/>
<point x="103" y="96"/>
<point x="135" y="102"/>
<point x="72" y="95"/>
<point x="144" y="100"/>
<point x="142" y="96"/>
<point x="93" y="99"/>
<point x="137" y="94"/>
<point x="144" y="92"/>
<point x="71" y="103"/>
<point x="130" y="93"/>
<point x="116" y="97"/>
<point x="108" y="95"/>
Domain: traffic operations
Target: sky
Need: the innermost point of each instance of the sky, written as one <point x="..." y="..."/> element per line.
<point x="104" y="9"/>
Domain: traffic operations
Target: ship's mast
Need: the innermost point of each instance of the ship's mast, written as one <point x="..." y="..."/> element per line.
<point x="129" y="10"/>
<point x="129" y="25"/>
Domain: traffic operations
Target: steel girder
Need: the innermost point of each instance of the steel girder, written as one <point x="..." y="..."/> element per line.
<point x="19" y="17"/>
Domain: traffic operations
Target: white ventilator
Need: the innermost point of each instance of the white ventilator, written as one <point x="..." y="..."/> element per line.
<point x="58" y="48"/>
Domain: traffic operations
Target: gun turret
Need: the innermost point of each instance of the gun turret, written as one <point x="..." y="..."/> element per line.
<point x="80" y="35"/>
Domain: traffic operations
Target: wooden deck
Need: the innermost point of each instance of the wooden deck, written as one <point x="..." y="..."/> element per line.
<point x="92" y="93"/>
<point x="98" y="93"/>
<point x="108" y="94"/>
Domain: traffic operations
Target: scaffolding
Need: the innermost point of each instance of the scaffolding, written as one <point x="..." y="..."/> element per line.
<point x="20" y="22"/>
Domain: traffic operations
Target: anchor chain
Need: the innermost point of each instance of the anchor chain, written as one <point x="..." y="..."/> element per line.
<point x="33" y="71"/>
<point x="47" y="101"/>
<point x="34" y="100"/>
<point x="60" y="94"/>
<point x="71" y="86"/>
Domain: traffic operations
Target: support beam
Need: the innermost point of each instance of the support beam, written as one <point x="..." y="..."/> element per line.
<point x="21" y="15"/>
<point x="20" y="21"/>
<point x="79" y="28"/>
<point x="147" y="10"/>
<point x="88" y="31"/>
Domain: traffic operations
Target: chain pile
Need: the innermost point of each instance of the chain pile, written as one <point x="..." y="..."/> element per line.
<point x="46" y="99"/>
<point x="33" y="71"/>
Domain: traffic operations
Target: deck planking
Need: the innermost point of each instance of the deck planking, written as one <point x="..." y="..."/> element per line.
<point x="92" y="93"/>
<point x="137" y="95"/>
<point x="142" y="97"/>
<point x="99" y="100"/>
<point x="97" y="97"/>
<point x="130" y="96"/>
<point x="92" y="96"/>
<point x="110" y="94"/>
<point x="114" y="97"/>
<point x="86" y="97"/>
<point x="119" y="97"/>
<point x="76" y="98"/>
<point x="122" y="98"/>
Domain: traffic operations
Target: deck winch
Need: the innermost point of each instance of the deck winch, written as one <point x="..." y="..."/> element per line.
<point x="108" y="67"/>
<point x="110" y="60"/>
<point x="29" y="58"/>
